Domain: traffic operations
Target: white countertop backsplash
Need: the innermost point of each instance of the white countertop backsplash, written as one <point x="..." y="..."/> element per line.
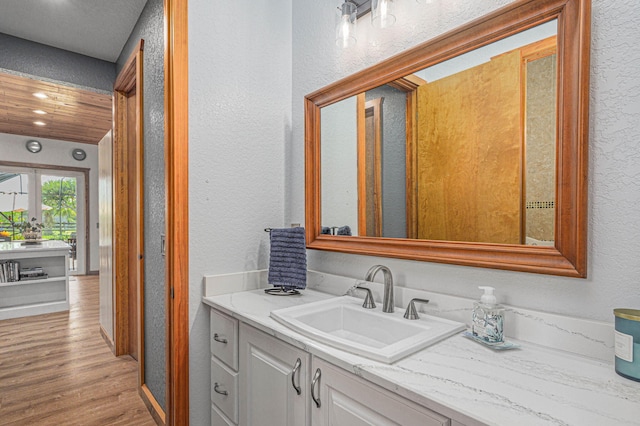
<point x="563" y="373"/>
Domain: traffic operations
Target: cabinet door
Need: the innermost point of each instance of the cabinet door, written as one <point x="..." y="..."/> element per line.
<point x="268" y="373"/>
<point x="347" y="400"/>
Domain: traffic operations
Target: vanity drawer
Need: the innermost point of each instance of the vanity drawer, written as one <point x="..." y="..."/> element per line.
<point x="224" y="338"/>
<point x="224" y="389"/>
<point x="219" y="419"/>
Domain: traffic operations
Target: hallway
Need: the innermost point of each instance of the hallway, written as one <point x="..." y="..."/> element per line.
<point x="56" y="369"/>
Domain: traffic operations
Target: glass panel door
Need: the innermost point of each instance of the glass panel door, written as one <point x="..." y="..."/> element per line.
<point x="59" y="201"/>
<point x="14" y="203"/>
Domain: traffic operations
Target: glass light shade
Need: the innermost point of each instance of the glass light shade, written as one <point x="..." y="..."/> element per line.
<point x="346" y="26"/>
<point x="382" y="13"/>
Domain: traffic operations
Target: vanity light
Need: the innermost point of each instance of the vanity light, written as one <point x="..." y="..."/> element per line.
<point x="40" y="95"/>
<point x="39" y="123"/>
<point x="39" y="111"/>
<point x="382" y="13"/>
<point x="346" y="26"/>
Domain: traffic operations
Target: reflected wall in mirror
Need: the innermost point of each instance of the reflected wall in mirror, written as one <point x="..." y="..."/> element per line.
<point x="470" y="148"/>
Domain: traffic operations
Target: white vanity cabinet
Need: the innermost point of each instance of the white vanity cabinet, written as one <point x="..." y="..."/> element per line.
<point x="224" y="369"/>
<point x="274" y="381"/>
<point x="343" y="399"/>
<point x="259" y="380"/>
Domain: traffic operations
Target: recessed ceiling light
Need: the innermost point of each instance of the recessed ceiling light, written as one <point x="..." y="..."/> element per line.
<point x="39" y="111"/>
<point x="40" y="95"/>
<point x="39" y="123"/>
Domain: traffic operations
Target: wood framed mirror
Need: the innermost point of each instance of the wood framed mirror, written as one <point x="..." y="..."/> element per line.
<point x="490" y="147"/>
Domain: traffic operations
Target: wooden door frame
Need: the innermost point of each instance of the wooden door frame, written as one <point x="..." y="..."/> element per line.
<point x="364" y="196"/>
<point x="176" y="116"/>
<point x="129" y="79"/>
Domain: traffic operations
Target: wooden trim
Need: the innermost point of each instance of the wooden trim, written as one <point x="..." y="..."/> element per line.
<point x="176" y="79"/>
<point x="154" y="408"/>
<point x="364" y="198"/>
<point x="362" y="163"/>
<point x="411" y="162"/>
<point x="107" y="340"/>
<point x="569" y="256"/>
<point x="376" y="106"/>
<point x="85" y="172"/>
<point x="126" y="82"/>
<point x="120" y="228"/>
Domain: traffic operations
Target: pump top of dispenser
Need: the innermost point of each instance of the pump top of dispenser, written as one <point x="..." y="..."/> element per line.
<point x="488" y="298"/>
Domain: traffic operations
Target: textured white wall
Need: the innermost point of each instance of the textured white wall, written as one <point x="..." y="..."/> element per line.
<point x="239" y="120"/>
<point x="58" y="153"/>
<point x="614" y="194"/>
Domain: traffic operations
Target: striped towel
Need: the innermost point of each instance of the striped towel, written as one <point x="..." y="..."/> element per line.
<point x="288" y="258"/>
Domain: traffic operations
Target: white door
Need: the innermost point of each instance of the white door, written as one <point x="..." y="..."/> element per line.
<point x="273" y="384"/>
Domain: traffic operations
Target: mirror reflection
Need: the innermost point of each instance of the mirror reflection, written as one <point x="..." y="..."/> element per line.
<point x="464" y="150"/>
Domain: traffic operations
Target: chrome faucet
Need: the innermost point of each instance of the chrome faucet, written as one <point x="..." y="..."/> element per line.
<point x="387" y="300"/>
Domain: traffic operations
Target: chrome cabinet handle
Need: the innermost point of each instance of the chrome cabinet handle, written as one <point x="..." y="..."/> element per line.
<point x="314" y="382"/>
<point x="216" y="388"/>
<point x="296" y="369"/>
<point x="217" y="338"/>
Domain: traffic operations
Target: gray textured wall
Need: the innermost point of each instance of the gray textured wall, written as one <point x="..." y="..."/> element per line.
<point x="28" y="57"/>
<point x="394" y="160"/>
<point x="150" y="28"/>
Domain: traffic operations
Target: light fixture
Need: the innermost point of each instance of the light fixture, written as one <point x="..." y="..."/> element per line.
<point x="40" y="95"/>
<point x="39" y="111"/>
<point x="39" y="123"/>
<point x="346" y="26"/>
<point x="79" y="154"/>
<point x="33" y="146"/>
<point x="382" y="13"/>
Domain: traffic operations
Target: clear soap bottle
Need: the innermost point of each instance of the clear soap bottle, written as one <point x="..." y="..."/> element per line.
<point x="488" y="318"/>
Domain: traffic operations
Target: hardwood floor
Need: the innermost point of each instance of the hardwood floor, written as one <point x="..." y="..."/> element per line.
<point x="56" y="369"/>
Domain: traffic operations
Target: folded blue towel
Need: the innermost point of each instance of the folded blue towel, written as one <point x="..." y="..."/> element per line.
<point x="326" y="230"/>
<point x="288" y="258"/>
<point x="344" y="230"/>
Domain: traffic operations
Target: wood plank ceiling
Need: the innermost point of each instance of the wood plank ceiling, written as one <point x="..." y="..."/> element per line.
<point x="72" y="114"/>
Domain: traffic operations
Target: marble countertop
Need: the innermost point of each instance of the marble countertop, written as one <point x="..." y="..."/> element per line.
<point x="467" y="381"/>
<point x="10" y="247"/>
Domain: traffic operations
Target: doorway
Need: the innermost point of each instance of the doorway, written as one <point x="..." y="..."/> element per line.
<point x="56" y="197"/>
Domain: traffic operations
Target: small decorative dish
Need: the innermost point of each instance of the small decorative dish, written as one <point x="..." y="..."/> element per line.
<point x="500" y="346"/>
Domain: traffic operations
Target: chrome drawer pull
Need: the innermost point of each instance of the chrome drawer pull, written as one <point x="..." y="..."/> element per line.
<point x="314" y="382"/>
<point x="296" y="369"/>
<point x="216" y="388"/>
<point x="219" y="339"/>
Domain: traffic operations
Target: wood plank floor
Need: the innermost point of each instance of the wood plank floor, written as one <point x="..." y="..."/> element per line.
<point x="56" y="369"/>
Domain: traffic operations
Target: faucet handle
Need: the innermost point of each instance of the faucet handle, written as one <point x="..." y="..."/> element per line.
<point x="411" y="313"/>
<point x="368" y="300"/>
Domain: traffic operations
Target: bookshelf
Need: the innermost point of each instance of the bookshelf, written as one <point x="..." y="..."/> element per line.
<point x="46" y="291"/>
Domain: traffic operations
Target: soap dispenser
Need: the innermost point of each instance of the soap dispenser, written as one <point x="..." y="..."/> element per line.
<point x="488" y="317"/>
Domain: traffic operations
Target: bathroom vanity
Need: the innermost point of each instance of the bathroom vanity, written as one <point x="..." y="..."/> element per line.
<point x="37" y="296"/>
<point x="265" y="373"/>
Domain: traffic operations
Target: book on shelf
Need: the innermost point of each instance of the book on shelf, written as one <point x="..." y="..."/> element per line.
<point x="9" y="271"/>
<point x="34" y="277"/>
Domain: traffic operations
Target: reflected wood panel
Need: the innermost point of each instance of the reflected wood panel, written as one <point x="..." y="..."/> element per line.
<point x="469" y="148"/>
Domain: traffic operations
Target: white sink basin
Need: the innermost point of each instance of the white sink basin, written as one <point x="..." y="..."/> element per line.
<point x="343" y="323"/>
